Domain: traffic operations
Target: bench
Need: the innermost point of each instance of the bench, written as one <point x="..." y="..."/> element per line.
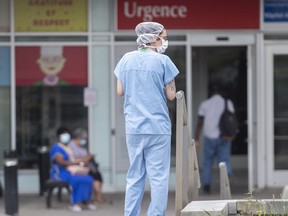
<point x="50" y="185"/>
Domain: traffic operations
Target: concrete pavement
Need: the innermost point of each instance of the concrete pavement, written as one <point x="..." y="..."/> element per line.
<point x="33" y="204"/>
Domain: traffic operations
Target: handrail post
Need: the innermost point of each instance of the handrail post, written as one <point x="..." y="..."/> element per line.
<point x="194" y="177"/>
<point x="179" y="202"/>
<point x="187" y="172"/>
<point x="225" y="192"/>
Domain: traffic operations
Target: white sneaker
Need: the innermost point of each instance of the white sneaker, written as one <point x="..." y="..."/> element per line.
<point x="75" y="208"/>
<point x="90" y="206"/>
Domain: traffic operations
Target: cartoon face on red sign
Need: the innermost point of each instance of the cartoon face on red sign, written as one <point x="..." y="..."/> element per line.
<point x="51" y="65"/>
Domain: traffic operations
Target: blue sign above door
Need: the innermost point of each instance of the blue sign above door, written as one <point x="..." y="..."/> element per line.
<point x="275" y="10"/>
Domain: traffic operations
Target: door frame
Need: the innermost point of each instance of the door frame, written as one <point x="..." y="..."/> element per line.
<point x="229" y="39"/>
<point x="275" y="178"/>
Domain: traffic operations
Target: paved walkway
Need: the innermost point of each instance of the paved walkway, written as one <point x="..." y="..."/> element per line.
<point x="33" y="204"/>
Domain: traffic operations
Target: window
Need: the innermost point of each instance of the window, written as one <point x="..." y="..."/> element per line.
<point x="4" y="15"/>
<point x="5" y="114"/>
<point x="50" y="82"/>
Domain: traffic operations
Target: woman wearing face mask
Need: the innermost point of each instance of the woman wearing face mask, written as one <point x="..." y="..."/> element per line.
<point x="145" y="77"/>
<point x="78" y="146"/>
<point x="62" y="158"/>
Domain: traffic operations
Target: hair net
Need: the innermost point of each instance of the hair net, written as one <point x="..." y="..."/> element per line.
<point x="147" y="32"/>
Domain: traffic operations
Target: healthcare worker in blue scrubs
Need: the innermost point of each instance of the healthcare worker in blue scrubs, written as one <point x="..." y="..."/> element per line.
<point x="145" y="77"/>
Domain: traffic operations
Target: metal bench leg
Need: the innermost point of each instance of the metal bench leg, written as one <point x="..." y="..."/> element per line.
<point x="48" y="197"/>
<point x="59" y="193"/>
<point x="68" y="189"/>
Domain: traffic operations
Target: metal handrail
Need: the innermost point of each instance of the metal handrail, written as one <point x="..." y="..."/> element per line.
<point x="225" y="192"/>
<point x="187" y="170"/>
<point x="180" y="96"/>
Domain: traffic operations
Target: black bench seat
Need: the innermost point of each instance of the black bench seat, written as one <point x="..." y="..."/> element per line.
<point x="50" y="185"/>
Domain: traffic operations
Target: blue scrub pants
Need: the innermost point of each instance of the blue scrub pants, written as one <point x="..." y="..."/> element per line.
<point x="148" y="155"/>
<point x="215" y="148"/>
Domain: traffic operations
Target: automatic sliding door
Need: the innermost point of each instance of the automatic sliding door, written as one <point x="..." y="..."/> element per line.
<point x="227" y="66"/>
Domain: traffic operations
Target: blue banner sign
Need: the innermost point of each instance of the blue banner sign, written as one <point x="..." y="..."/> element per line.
<point x="275" y="10"/>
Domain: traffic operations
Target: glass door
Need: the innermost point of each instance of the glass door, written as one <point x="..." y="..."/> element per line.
<point x="226" y="66"/>
<point x="277" y="112"/>
<point x="227" y="58"/>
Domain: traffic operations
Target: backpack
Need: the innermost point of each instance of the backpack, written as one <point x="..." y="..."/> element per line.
<point x="228" y="124"/>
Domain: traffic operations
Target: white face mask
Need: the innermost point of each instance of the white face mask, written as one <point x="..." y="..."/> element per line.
<point x="83" y="142"/>
<point x="163" y="47"/>
<point x="65" y="138"/>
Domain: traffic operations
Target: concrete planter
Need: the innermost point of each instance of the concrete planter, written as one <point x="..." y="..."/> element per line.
<point x="265" y="207"/>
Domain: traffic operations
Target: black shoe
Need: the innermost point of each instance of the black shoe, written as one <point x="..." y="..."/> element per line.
<point x="206" y="189"/>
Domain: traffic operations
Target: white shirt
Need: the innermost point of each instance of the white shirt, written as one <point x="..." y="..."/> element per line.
<point x="212" y="109"/>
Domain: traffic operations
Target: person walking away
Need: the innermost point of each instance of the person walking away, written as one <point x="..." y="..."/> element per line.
<point x="214" y="145"/>
<point x="145" y="77"/>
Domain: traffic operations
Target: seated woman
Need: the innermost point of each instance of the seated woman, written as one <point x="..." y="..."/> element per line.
<point x="77" y="144"/>
<point x="62" y="160"/>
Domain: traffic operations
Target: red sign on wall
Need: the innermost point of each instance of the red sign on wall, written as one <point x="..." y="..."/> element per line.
<point x="190" y="14"/>
<point x="51" y="65"/>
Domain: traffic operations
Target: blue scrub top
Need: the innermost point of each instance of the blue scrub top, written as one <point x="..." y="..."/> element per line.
<point x="144" y="74"/>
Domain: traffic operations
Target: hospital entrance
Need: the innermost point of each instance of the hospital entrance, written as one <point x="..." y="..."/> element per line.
<point x="227" y="66"/>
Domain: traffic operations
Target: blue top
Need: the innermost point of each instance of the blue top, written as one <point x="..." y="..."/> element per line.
<point x="58" y="172"/>
<point x="144" y="74"/>
<point x="82" y="185"/>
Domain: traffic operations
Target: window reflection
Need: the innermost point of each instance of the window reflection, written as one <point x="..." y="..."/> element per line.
<point x="50" y="82"/>
<point x="40" y="111"/>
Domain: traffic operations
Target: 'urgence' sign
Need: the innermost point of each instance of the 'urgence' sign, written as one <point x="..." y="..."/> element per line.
<point x="149" y="12"/>
<point x="189" y="14"/>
